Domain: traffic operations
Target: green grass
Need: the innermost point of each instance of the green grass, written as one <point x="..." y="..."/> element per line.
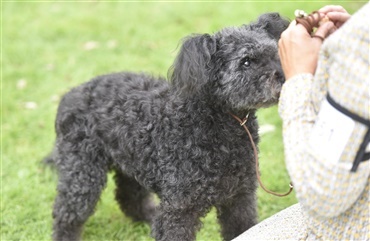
<point x="43" y="45"/>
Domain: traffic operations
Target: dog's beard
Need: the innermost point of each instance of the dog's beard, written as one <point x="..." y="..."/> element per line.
<point x="271" y="85"/>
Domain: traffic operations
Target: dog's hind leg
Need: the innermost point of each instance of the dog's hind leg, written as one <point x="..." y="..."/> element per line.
<point x="177" y="222"/>
<point x="134" y="200"/>
<point x="82" y="177"/>
<point x="237" y="215"/>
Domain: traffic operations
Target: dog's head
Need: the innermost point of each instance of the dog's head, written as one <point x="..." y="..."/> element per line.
<point x="236" y="68"/>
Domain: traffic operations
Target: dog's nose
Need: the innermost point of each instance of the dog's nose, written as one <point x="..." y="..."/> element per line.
<point x="278" y="71"/>
<point x="279" y="76"/>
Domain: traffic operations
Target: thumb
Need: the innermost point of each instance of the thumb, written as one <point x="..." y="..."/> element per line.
<point x="325" y="29"/>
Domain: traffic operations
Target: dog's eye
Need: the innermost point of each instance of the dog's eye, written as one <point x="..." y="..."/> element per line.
<point x="246" y="62"/>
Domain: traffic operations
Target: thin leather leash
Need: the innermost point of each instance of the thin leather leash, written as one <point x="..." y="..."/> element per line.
<point x="242" y="123"/>
<point x="310" y="21"/>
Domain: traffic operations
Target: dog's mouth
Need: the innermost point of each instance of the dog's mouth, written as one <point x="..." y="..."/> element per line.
<point x="276" y="81"/>
<point x="272" y="88"/>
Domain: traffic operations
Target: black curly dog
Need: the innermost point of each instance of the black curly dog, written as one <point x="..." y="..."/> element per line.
<point x="174" y="138"/>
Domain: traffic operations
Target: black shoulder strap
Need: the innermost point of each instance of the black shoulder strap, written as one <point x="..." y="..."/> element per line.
<point x="361" y="154"/>
<point x="348" y="112"/>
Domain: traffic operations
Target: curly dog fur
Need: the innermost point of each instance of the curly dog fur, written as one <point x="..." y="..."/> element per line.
<point x="175" y="138"/>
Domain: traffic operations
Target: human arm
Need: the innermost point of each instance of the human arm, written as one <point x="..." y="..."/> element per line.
<point x="323" y="188"/>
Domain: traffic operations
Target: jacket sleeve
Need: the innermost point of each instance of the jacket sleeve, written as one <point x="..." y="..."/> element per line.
<point x="321" y="143"/>
<point x="324" y="188"/>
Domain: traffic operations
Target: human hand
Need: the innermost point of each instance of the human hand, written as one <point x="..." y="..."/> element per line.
<point x="299" y="51"/>
<point x="337" y="14"/>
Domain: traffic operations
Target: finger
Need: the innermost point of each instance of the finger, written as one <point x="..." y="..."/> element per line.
<point x="292" y="23"/>
<point x="301" y="29"/>
<point x="338" y="17"/>
<point x="325" y="29"/>
<point x="332" y="8"/>
<point x="292" y="27"/>
<point x="320" y="17"/>
<point x="318" y="14"/>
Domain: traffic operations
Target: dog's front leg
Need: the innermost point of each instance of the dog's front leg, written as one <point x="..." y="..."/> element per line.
<point x="176" y="223"/>
<point x="237" y="215"/>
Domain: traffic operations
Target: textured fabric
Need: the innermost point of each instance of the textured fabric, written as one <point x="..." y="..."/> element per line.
<point x="335" y="202"/>
<point x="287" y="224"/>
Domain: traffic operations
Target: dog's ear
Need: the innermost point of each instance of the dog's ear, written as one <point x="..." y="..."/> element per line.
<point x="189" y="72"/>
<point x="272" y="23"/>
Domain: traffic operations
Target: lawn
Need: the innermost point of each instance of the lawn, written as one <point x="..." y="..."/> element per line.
<point x="48" y="47"/>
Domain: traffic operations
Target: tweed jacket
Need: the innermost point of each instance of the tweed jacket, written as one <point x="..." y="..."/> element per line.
<point x="321" y="143"/>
